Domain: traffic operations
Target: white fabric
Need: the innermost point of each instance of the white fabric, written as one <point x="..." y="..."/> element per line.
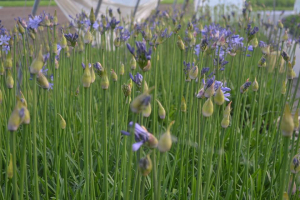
<point x="217" y="7"/>
<point x="72" y="7"/>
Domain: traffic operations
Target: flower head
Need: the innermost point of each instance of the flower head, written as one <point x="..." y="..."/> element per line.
<point x="142" y="136"/>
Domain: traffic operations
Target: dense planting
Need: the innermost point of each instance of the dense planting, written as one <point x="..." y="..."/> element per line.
<point x="174" y="107"/>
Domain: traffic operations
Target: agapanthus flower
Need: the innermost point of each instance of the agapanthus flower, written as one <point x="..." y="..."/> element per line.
<point x="225" y="89"/>
<point x="245" y="86"/>
<point x="113" y="23"/>
<point x="250" y="48"/>
<point x="58" y="49"/>
<point x="124" y="35"/>
<point x="6" y="48"/>
<point x="142" y="55"/>
<point x="4" y="39"/>
<point x="142" y="136"/>
<point x="204" y="70"/>
<point x="72" y="38"/>
<point x="138" y="79"/>
<point x="83" y="65"/>
<point x="34" y="22"/>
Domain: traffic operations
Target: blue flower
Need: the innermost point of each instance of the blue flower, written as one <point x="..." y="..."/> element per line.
<point x="250" y="48"/>
<point x="6" y="48"/>
<point x="138" y="78"/>
<point x="58" y="49"/>
<point x="140" y="134"/>
<point x="4" y="39"/>
<point x="72" y="38"/>
<point x="223" y="89"/>
<point x="113" y="23"/>
<point x="204" y="70"/>
<point x="34" y="22"/>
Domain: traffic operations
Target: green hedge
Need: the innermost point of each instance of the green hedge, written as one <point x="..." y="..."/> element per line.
<point x="22" y="3"/>
<point x="291" y="23"/>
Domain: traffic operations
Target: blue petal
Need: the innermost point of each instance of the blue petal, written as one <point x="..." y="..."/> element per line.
<point x="137" y="145"/>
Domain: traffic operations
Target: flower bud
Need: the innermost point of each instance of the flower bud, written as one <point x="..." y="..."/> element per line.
<point x="245" y="86"/>
<point x="20" y="28"/>
<point x="77" y="91"/>
<point x="63" y="42"/>
<point x="93" y="76"/>
<point x="287" y="123"/>
<point x="262" y="62"/>
<point x="180" y="43"/>
<point x="225" y="122"/>
<point x="146" y="88"/>
<point x="133" y="63"/>
<point x="88" y="37"/>
<point x="92" y="16"/>
<point x="285" y="56"/>
<point x="2" y="70"/>
<point x="54" y="48"/>
<point x="183" y="105"/>
<point x="295" y="164"/>
<point x="266" y="50"/>
<point x="193" y="72"/>
<point x="285" y="36"/>
<point x="285" y="196"/>
<point x="104" y="82"/>
<point x="283" y="88"/>
<point x="9" y="80"/>
<point x="24" y="115"/>
<point x="1" y="96"/>
<point x="207" y="108"/>
<point x="37" y="63"/>
<point x="255" y="85"/>
<point x="55" y="18"/>
<point x="219" y="97"/>
<point x="147" y="110"/>
<point x="141" y="102"/>
<point x="296" y="120"/>
<point x="14" y="120"/>
<point x="161" y="110"/>
<point x="254" y="42"/>
<point x="165" y="141"/>
<point x="210" y="91"/>
<point x="290" y="72"/>
<point x="62" y="122"/>
<point x="10" y="171"/>
<point x="145" y="165"/>
<point x="117" y="42"/>
<point x="122" y="69"/>
<point x="280" y="25"/>
<point x="42" y="81"/>
<point x="114" y="75"/>
<point x="126" y="90"/>
<point x="8" y="61"/>
<point x="86" y="78"/>
<point x="56" y="63"/>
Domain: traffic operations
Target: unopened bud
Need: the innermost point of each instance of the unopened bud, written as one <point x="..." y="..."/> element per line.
<point x="287" y="123"/>
<point x="62" y="122"/>
<point x="9" y="80"/>
<point x="10" y="171"/>
<point x="165" y="141"/>
<point x="145" y="165"/>
<point x="207" y="108"/>
<point x="255" y="85"/>
<point x="161" y="110"/>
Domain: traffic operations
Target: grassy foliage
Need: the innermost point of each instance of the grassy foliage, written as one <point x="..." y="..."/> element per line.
<point x="166" y="109"/>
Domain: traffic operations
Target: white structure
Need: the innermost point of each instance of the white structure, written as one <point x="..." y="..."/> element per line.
<point x="219" y="7"/>
<point x="73" y="7"/>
